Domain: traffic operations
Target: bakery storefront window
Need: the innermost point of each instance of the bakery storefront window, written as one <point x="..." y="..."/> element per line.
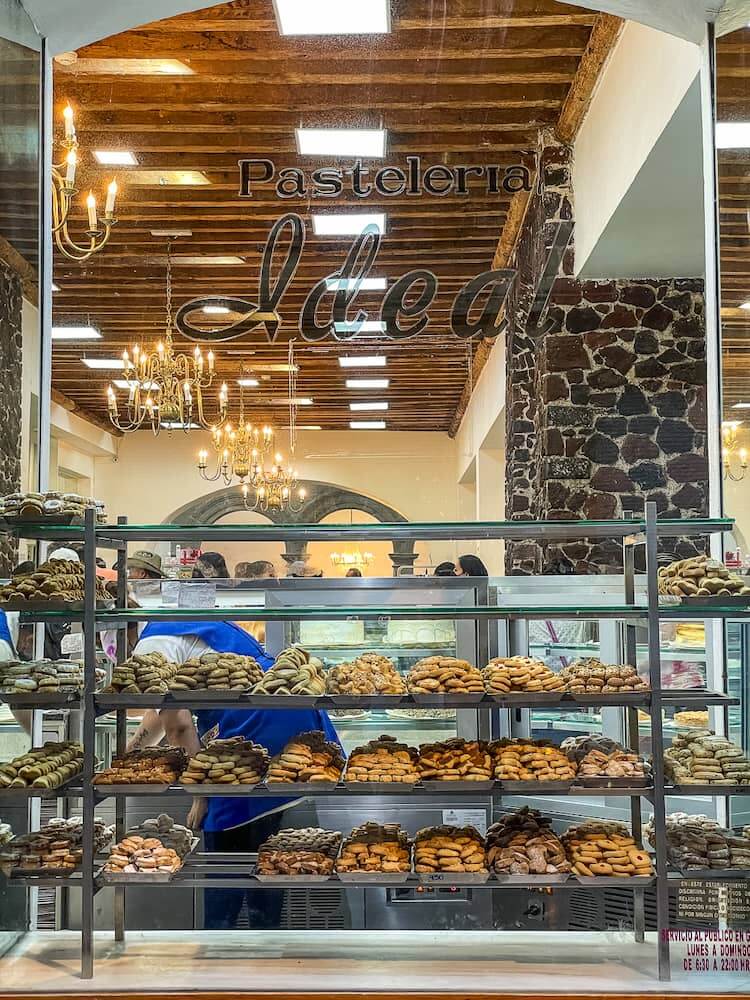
<point x="363" y="559"/>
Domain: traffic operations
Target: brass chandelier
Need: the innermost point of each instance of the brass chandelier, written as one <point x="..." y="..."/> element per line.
<point x="165" y="390"/>
<point x="63" y="192"/>
<point x="733" y="459"/>
<point x="240" y="451"/>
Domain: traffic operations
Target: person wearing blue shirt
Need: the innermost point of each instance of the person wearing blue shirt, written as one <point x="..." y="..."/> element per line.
<point x="232" y="824"/>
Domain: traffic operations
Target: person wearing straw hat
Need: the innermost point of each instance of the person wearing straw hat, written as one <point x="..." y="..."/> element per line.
<point x="144" y="565"/>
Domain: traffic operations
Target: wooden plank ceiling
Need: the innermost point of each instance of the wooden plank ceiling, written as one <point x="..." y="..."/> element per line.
<point x="733" y="65"/>
<point x="456" y="81"/>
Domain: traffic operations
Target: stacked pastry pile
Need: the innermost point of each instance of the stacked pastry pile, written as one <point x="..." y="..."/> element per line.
<point x="233" y="761"/>
<point x="455" y="760"/>
<point x="444" y="675"/>
<point x="599" y="847"/>
<point x="37" y="506"/>
<point x="699" y="757"/>
<point x="299" y="852"/>
<point x="383" y="759"/>
<point x="449" y="849"/>
<point x="54" y="580"/>
<point x="135" y="854"/>
<point x="697" y="842"/>
<point x="691" y="719"/>
<point x="48" y="766"/>
<point x="600" y="757"/>
<point x="6" y="833"/>
<point x="58" y="845"/>
<point x="520" y="760"/>
<point x="295" y="672"/>
<point x="591" y="676"/>
<point x="217" y="672"/>
<point x="509" y="675"/>
<point x="522" y="843"/>
<point x="150" y="766"/>
<point x="45" y="676"/>
<point x="309" y="757"/>
<point x="375" y="849"/>
<point x="173" y="835"/>
<point x="144" y="673"/>
<point x="369" y="674"/>
<point x="700" y="576"/>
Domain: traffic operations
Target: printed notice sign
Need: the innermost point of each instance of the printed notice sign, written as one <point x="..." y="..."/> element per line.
<point x="467" y="817"/>
<point x="728" y="902"/>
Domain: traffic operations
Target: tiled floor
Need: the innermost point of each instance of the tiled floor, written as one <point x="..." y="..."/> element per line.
<point x="348" y="961"/>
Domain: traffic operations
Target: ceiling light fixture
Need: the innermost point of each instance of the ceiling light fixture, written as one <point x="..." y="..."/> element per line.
<point x="123" y="383"/>
<point x="272" y="366"/>
<point x="367" y="383"/>
<point x="347" y="224"/>
<point x="733" y="135"/>
<point x="75" y="333"/>
<point x="368" y="143"/>
<point x="361" y="407"/>
<point x="105" y="364"/>
<point x="333" y="17"/>
<point x="365" y="361"/>
<point x="55" y="288"/>
<point x="185" y="260"/>
<point x="294" y="401"/>
<point x="367" y="326"/>
<point x="170" y="234"/>
<point x="745" y="306"/>
<point x="367" y="425"/>
<point x="216" y="310"/>
<point x="115" y="158"/>
<point x="741" y="406"/>
<point x="248" y="383"/>
<point x="351" y="284"/>
<point x="167" y="178"/>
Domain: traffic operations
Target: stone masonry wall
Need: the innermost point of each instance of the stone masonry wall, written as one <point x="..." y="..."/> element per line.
<point x="606" y="404"/>
<point x="10" y="399"/>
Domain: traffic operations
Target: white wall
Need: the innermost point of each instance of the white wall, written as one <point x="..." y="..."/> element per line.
<point x="644" y="82"/>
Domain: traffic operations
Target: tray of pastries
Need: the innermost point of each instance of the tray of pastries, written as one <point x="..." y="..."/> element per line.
<point x="298" y="855"/>
<point x="48" y="508"/>
<point x="368" y="675"/>
<point x="219" y="675"/>
<point x="55" y="585"/>
<point x="46" y="768"/>
<point x="55" y="849"/>
<point x="143" y="673"/>
<point x="700" y="757"/>
<point x="522" y="845"/>
<point x="702" y="581"/>
<point x="605" y="849"/>
<point x="698" y="844"/>
<point x="465" y="764"/>
<point x="226" y="764"/>
<point x="41" y="680"/>
<point x="603" y="763"/>
<point x="153" y="852"/>
<point x="441" y="680"/>
<point x="505" y="678"/>
<point x="616" y="683"/>
<point x="451" y="854"/>
<point x="308" y="759"/>
<point x="384" y="762"/>
<point x="296" y="676"/>
<point x="522" y="765"/>
<point x="375" y="853"/>
<point x="148" y="771"/>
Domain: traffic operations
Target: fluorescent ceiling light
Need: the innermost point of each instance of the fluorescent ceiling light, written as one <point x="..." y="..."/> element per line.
<point x="115" y="158"/>
<point x="368" y="326"/>
<point x="122" y="383"/>
<point x="361" y="407"/>
<point x="216" y="310"/>
<point x="75" y="333"/>
<point x="367" y="383"/>
<point x="351" y="284"/>
<point x="366" y="361"/>
<point x="166" y="178"/>
<point x="249" y="383"/>
<point x="347" y="224"/>
<point x="308" y="427"/>
<point x="745" y="305"/>
<point x="365" y="142"/>
<point x="285" y="401"/>
<point x="175" y="425"/>
<point x="55" y="288"/>
<point x="733" y="135"/>
<point x="131" y="67"/>
<point x="367" y="425"/>
<point x="206" y="261"/>
<point x="106" y="364"/>
<point x="272" y="366"/>
<point x="741" y="406"/>
<point x="171" y="232"/>
<point x="333" y="17"/>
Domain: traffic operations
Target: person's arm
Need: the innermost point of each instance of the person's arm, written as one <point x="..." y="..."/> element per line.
<point x="181" y="732"/>
<point x="149" y="732"/>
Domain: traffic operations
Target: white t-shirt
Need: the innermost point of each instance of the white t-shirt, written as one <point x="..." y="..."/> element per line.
<point x="176" y="648"/>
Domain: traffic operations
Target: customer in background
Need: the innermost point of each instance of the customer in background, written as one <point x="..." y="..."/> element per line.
<point x="445" y="569"/>
<point x="471" y="566"/>
<point x="300" y="570"/>
<point x="259" y="570"/>
<point x="210" y="566"/>
<point x="144" y="565"/>
<point x="354" y="571"/>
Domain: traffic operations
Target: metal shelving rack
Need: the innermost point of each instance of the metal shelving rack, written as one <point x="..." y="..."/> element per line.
<point x="233" y="870"/>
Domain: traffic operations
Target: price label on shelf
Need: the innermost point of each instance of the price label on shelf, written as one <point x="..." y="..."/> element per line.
<point x="467" y="817"/>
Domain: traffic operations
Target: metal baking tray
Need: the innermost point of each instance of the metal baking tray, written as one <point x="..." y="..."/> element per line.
<point x="43" y="521"/>
<point x="300" y="787"/>
<point x="434" y="785"/>
<point x="208" y="694"/>
<point x="518" y="699"/>
<point x="532" y="787"/>
<point x="375" y="878"/>
<point x="215" y="791"/>
<point x="137" y="878"/>
<point x="70" y="787"/>
<point x="45" y="699"/>
<point x="531" y="880"/>
<point x="282" y="700"/>
<point x="379" y="787"/>
<point x="134" y="789"/>
<point x="610" y="880"/>
<point x="453" y="878"/>
<point x="612" y="698"/>
<point x="292" y="879"/>
<point x="735" y="601"/>
<point x="34" y="873"/>
<point x="447" y="700"/>
<point x="368" y="701"/>
<point x="606" y="782"/>
<point x="38" y="605"/>
<point x="707" y="789"/>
